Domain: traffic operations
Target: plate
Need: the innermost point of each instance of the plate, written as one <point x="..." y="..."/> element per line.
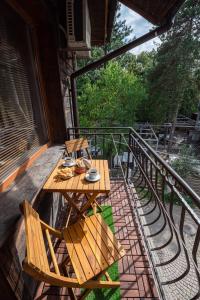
<point x="69" y="164"/>
<point x="87" y="177"/>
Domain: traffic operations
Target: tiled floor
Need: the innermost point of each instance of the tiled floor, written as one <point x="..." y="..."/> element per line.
<point x="135" y="274"/>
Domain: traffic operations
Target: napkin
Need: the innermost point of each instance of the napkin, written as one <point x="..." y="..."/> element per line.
<point x="87" y="163"/>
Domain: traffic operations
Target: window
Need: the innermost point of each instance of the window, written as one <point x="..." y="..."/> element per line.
<point x="22" y="129"/>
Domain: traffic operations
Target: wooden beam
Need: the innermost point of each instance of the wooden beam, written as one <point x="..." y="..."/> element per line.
<point x="21" y="11"/>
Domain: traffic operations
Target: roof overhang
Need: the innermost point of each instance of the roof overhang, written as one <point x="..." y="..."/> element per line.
<point x="157" y="12"/>
<point x="102" y="14"/>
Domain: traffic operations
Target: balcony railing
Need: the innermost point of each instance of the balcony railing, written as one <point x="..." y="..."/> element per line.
<point x="166" y="208"/>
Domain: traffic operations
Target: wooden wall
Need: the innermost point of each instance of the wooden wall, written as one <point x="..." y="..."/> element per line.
<point x="43" y="32"/>
<point x="45" y="48"/>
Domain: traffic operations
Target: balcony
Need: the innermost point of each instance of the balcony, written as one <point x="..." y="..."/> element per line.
<point x="156" y="218"/>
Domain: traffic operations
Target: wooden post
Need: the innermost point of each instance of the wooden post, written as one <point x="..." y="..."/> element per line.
<point x="74" y="97"/>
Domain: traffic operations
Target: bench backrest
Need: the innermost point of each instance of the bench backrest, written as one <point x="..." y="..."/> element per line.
<point x="36" y="251"/>
<point x="77" y="145"/>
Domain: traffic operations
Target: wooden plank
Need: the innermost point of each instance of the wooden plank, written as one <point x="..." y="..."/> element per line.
<point x="84" y="184"/>
<point x="96" y="267"/>
<point x="91" y="200"/>
<point x="75" y="185"/>
<point x="52" y="230"/>
<point x="81" y="182"/>
<point x="84" y="261"/>
<point x="35" y="242"/>
<point x="106" y="252"/>
<point x="107" y="236"/>
<point x="73" y="257"/>
<point x="69" y="183"/>
<point x="30" y="252"/>
<point x="43" y="255"/>
<point x="101" y="170"/>
<point x="96" y="186"/>
<point x="96" y="248"/>
<point x="107" y="176"/>
<point x="110" y="237"/>
<point x="33" y="239"/>
<point x="52" y="252"/>
<point x="69" y="216"/>
<point x="76" y="145"/>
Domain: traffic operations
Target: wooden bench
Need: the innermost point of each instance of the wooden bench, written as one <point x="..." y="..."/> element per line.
<point x="92" y="249"/>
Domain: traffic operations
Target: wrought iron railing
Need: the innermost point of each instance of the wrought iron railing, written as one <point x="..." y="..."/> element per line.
<point x="167" y="209"/>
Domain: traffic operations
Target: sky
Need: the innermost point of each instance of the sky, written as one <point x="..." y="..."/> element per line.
<point x="140" y="26"/>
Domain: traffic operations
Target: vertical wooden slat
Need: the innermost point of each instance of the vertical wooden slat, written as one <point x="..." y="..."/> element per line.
<point x="52" y="252"/>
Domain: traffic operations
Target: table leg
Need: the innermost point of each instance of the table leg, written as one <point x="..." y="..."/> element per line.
<point x="71" y="200"/>
<point x="95" y="208"/>
<point x="69" y="215"/>
<point x="90" y="201"/>
<point x="96" y="204"/>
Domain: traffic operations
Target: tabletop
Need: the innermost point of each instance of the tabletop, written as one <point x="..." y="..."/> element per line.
<point x="78" y="183"/>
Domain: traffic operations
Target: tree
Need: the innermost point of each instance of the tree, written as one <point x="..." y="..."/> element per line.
<point x="184" y="164"/>
<point x="120" y="36"/>
<point x="103" y="94"/>
<point x="120" y="33"/>
<point x="172" y="79"/>
<point x="112" y="100"/>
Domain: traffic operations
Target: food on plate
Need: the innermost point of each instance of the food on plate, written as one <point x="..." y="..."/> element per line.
<point x="80" y="163"/>
<point x="64" y="173"/>
<point x="80" y="166"/>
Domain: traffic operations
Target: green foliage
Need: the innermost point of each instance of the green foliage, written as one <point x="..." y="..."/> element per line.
<point x="114" y="94"/>
<point x="183" y="164"/>
<point x="120" y="33"/>
<point x="172" y="80"/>
<point x="120" y="36"/>
<point x="112" y="99"/>
<point x="153" y="86"/>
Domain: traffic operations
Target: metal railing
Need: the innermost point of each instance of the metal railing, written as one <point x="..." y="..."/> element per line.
<point x="167" y="209"/>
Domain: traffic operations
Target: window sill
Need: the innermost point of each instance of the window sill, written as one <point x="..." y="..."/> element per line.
<point x="26" y="186"/>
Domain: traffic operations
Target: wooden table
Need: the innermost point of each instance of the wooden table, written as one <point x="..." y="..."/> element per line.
<point x="78" y="185"/>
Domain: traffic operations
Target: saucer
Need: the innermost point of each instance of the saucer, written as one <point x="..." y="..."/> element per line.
<point x="87" y="177"/>
<point x="69" y="164"/>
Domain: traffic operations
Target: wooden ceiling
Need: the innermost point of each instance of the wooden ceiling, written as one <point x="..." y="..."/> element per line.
<point x="157" y="12"/>
<point x="102" y="17"/>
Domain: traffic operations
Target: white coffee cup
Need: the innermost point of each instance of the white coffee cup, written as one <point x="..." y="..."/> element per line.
<point x="68" y="159"/>
<point x="93" y="173"/>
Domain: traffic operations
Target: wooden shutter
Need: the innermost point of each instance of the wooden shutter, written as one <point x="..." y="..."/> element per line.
<point x="22" y="130"/>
